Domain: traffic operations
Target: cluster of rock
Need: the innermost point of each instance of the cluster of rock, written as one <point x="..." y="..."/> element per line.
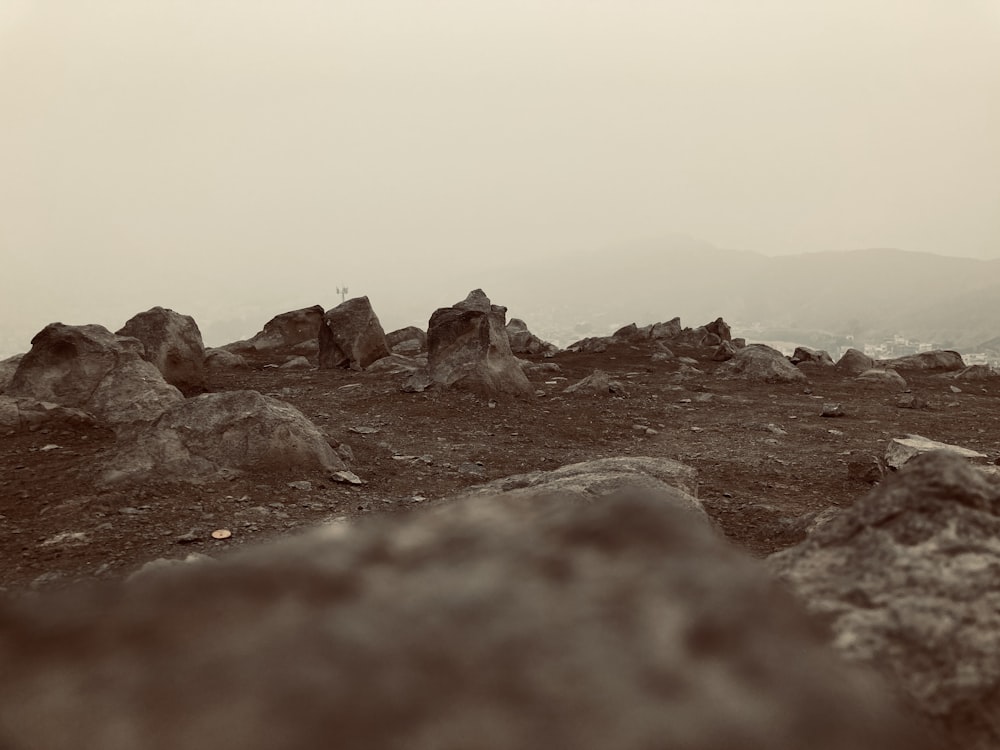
<point x="588" y="608"/>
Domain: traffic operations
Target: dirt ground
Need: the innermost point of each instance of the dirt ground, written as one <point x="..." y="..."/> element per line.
<point x="766" y="458"/>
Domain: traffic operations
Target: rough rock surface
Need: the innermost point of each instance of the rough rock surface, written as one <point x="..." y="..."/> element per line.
<point x="854" y="362"/>
<point x="907" y="579"/>
<point x="7" y="368"/>
<point x="26" y="414"/>
<point x="720" y="328"/>
<point x="351" y="336"/>
<point x="803" y="354"/>
<point x="973" y="372"/>
<point x="397" y="363"/>
<point x="221" y="359"/>
<point x="172" y="342"/>
<point x="883" y="376"/>
<point x="88" y="367"/>
<point x="666" y="329"/>
<point x="761" y="363"/>
<point x="288" y="333"/>
<point x="220" y="434"/>
<point x="725" y="352"/>
<point x="597" y="383"/>
<point x="902" y="450"/>
<point x="489" y="623"/>
<point x="523" y="341"/>
<point x="407" y="336"/>
<point x="936" y="360"/>
<point x="468" y="348"/>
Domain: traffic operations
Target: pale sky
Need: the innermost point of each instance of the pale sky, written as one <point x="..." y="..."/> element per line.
<point x="210" y="155"/>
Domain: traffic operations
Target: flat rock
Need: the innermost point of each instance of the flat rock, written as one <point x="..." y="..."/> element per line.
<point x="902" y="450"/>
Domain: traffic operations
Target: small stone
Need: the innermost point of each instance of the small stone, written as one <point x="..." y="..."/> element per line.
<point x="303" y="485"/>
<point x="832" y="410"/>
<point x="346" y="476"/>
<point x="50" y="447"/>
<point x="365" y="430"/>
<point x="187" y="538"/>
<point x="953" y="388"/>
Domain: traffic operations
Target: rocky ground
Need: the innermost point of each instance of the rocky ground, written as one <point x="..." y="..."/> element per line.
<point x="767" y="461"/>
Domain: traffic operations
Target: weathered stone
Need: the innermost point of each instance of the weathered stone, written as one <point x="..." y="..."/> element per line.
<point x="628" y="334"/>
<point x="739" y="343"/>
<point x="805" y="355"/>
<point x="866" y="469"/>
<point x="902" y="450"/>
<point x="725" y="352"/>
<point x="907" y="579"/>
<point x="500" y="624"/>
<point x="973" y="372"/>
<point x="666" y="329"/>
<point x="468" y="348"/>
<point x="7" y="368"/>
<point x="409" y="336"/>
<point x="219" y="435"/>
<point x="89" y="368"/>
<point x="523" y="341"/>
<point x="761" y="363"/>
<point x="720" y="328"/>
<point x="397" y="363"/>
<point x="172" y="342"/>
<point x="221" y="359"/>
<point x="911" y="401"/>
<point x="591" y="345"/>
<point x="880" y="376"/>
<point x="854" y="362"/>
<point x="935" y="360"/>
<point x="296" y="363"/>
<point x="832" y="410"/>
<point x="351" y="336"/>
<point x="27" y="414"/>
<point x="282" y="333"/>
<point x="597" y="383"/>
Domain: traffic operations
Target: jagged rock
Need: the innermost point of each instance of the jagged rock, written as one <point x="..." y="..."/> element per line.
<point x="907" y="579"/>
<point x="397" y="363"/>
<point x="7" y="368"/>
<point x="854" y="362"/>
<point x="523" y="341"/>
<point x="219" y="435"/>
<point x="761" y="363"/>
<point x="284" y="333"/>
<point x="693" y="337"/>
<point x="725" y="352"/>
<point x="597" y="383"/>
<point x="296" y="363"/>
<point x="499" y="624"/>
<point x="351" y="336"/>
<point x="221" y="359"/>
<point x="880" y="376"/>
<point x="628" y="334"/>
<point x="666" y="330"/>
<point x="805" y="355"/>
<point x="468" y="348"/>
<point x="720" y="328"/>
<point x="89" y="368"/>
<point x="935" y="360"/>
<point x="172" y="342"/>
<point x="591" y="345"/>
<point x="903" y="450"/>
<point x="406" y="340"/>
<point x="27" y="414"/>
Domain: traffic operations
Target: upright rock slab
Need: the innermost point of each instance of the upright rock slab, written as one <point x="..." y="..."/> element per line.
<point x="88" y="367"/>
<point x="351" y="336"/>
<point x="172" y="342"/>
<point x="468" y="348"/>
<point x="622" y="623"/>
<point x="907" y="578"/>
<point x="218" y="435"/>
<point x="292" y="332"/>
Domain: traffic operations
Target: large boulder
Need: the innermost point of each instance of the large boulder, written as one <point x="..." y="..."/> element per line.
<point x="88" y="367"/>
<point x="721" y="329"/>
<point x="946" y="360"/>
<point x="854" y="362"/>
<point x="218" y="435"/>
<point x="468" y="348"/>
<point x="759" y="362"/>
<point x="172" y="342"/>
<point x="805" y="355"/>
<point x="907" y="579"/>
<point x="666" y="330"/>
<point x="293" y="332"/>
<point x="351" y="336"/>
<point x="882" y="376"/>
<point x="27" y="415"/>
<point x="523" y="341"/>
<point x="7" y="369"/>
<point x="409" y="340"/>
<point x="491" y="623"/>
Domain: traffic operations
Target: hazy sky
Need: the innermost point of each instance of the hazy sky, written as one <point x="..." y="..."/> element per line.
<point x="203" y="154"/>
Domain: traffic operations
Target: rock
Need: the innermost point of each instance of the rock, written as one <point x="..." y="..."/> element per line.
<point x="832" y="410"/>
<point x="854" y="362"/>
<point x="954" y="389"/>
<point x="724" y="353"/>
<point x="666" y="330"/>
<point x="283" y="333"/>
<point x="720" y="328"/>
<point x="7" y="369"/>
<point x="162" y="565"/>
<point x="629" y="334"/>
<point x="739" y="343"/>
<point x="406" y="340"/>
<point x="218" y="435"/>
<point x="494" y="623"/>
<point x="879" y="376"/>
<point x="296" y="363"/>
<point x="902" y="450"/>
<point x="597" y="383"/>
<point x="397" y="363"/>
<point x="523" y="341"/>
<point x="906" y="577"/>
<point x="973" y="372"/>
<point x="911" y="401"/>
<point x="662" y="356"/>
<point x="88" y="367"/>
<point x="468" y="349"/>
<point x="591" y="345"/>
<point x="761" y="363"/>
<point x="866" y="469"/>
<point x="220" y="359"/>
<point x="694" y="337"/>
<point x="172" y="342"/>
<point x="26" y="414"/>
<point x="418" y="382"/>
<point x="711" y="339"/>
<point x="935" y="360"/>
<point x="351" y="336"/>
<point x="805" y="355"/>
